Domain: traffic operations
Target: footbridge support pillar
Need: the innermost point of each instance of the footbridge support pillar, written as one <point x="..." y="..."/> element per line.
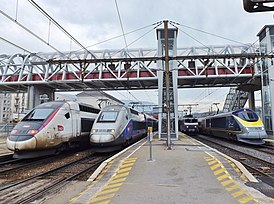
<point x="167" y="85"/>
<point x="251" y="100"/>
<point x="38" y="95"/>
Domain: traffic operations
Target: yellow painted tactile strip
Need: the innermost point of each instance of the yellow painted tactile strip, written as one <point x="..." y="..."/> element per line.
<point x="89" y="186"/>
<point x="226" y="181"/>
<point x="115" y="182"/>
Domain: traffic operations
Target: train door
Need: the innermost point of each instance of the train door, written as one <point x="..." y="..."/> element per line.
<point x="71" y="120"/>
<point x="230" y="123"/>
<point x="75" y="116"/>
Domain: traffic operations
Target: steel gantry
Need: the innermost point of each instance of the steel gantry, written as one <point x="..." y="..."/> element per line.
<point x="129" y="68"/>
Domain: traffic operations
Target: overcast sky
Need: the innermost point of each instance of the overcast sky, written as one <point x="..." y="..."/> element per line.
<point x="93" y="21"/>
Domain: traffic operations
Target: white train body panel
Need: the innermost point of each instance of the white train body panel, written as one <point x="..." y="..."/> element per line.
<point x="51" y="125"/>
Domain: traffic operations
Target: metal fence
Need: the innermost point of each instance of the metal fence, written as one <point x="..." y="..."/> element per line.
<point x="6" y="128"/>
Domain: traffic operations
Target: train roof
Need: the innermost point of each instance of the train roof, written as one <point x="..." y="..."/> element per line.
<point x="51" y="104"/>
<point x="228" y="113"/>
<point x="56" y="104"/>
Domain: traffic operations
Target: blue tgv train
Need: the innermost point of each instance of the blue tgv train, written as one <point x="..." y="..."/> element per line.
<point x="242" y="125"/>
<point x="118" y="126"/>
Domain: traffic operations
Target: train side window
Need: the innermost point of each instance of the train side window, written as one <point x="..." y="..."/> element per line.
<point x="67" y="115"/>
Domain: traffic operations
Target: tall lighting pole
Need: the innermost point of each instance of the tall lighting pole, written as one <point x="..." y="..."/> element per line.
<point x="167" y="86"/>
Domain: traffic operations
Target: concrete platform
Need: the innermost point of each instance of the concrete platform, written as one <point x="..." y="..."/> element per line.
<point x="189" y="173"/>
<point x="270" y="141"/>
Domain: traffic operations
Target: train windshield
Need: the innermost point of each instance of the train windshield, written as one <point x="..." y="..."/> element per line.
<point x="191" y="120"/>
<point x="38" y="114"/>
<point x="108" y="116"/>
<point x="247" y="115"/>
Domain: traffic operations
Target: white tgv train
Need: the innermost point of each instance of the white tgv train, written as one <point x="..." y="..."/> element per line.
<point x="52" y="127"/>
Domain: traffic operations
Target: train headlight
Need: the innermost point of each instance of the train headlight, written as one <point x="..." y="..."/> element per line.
<point x="32" y="132"/>
<point x="262" y="127"/>
<point x="93" y="130"/>
<point x="187" y="126"/>
<point x="112" y="131"/>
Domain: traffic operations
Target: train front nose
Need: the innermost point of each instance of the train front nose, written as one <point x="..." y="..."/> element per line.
<point x="102" y="138"/>
<point x="21" y="143"/>
<point x="22" y="137"/>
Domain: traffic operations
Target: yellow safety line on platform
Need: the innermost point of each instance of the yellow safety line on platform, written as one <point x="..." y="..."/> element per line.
<point x="115" y="182"/>
<point x="226" y="181"/>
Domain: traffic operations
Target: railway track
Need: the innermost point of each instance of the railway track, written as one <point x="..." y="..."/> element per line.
<point x="5" y="157"/>
<point x="18" y="164"/>
<point x="35" y="187"/>
<point x="259" y="167"/>
<point x="266" y="149"/>
<point x="21" y="169"/>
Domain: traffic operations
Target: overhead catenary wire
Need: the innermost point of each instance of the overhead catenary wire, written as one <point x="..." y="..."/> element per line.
<point x="121" y="24"/>
<point x="59" y="26"/>
<point x="118" y="36"/>
<point x="219" y="36"/>
<point x="29" y="31"/>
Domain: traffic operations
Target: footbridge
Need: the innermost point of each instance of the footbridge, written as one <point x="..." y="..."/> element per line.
<point x="211" y="66"/>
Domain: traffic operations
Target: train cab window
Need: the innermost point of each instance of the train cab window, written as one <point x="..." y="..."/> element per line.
<point x="108" y="116"/>
<point x="247" y="115"/>
<point x="191" y="120"/>
<point x="38" y="114"/>
<point x="67" y="115"/>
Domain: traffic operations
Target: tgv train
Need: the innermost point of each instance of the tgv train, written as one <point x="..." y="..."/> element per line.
<point x="188" y="125"/>
<point x="118" y="126"/>
<point x="52" y="127"/>
<point x="242" y="125"/>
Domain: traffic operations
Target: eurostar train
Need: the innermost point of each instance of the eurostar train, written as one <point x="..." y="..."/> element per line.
<point x="52" y="127"/>
<point x="117" y="126"/>
<point x="242" y="125"/>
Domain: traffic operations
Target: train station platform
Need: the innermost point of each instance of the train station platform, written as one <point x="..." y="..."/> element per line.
<point x="269" y="141"/>
<point x="188" y="173"/>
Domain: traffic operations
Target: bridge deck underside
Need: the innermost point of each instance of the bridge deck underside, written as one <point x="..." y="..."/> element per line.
<point x="72" y="83"/>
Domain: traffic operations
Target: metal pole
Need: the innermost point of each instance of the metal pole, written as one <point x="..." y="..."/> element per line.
<point x="150" y="147"/>
<point x="167" y="85"/>
<point x="149" y="138"/>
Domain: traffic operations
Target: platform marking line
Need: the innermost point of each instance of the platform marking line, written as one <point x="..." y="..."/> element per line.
<point x="102" y="173"/>
<point x="242" y="175"/>
<point x="114" y="183"/>
<point x="226" y="181"/>
<point x="102" y="169"/>
<point x="81" y="193"/>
